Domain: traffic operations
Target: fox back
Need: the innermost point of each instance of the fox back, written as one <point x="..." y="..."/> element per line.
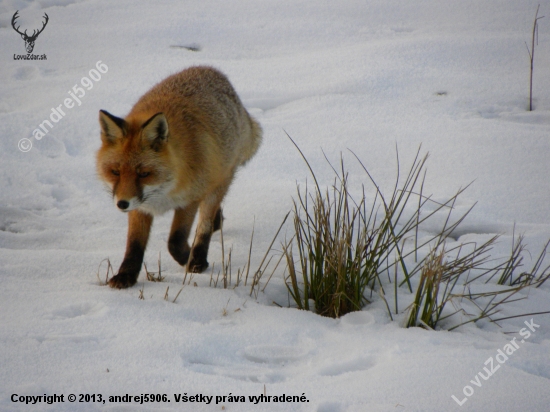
<point x="178" y="148"/>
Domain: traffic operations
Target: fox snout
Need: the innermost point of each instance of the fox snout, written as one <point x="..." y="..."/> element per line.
<point x="153" y="199"/>
<point x="126" y="202"/>
<point x="127" y="205"/>
<point x="125" y="188"/>
<point x="123" y="204"/>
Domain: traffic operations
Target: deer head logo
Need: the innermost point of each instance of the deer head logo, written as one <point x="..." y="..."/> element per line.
<point x="29" y="40"/>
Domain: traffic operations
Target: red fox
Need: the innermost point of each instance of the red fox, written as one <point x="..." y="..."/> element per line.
<point x="177" y="149"/>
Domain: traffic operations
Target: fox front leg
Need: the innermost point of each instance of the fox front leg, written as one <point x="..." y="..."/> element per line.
<point x="181" y="226"/>
<point x="139" y="226"/>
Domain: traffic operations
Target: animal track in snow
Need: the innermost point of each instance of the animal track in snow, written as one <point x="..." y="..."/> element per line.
<point x="77" y="310"/>
<point x="194" y="47"/>
<point x="267" y="364"/>
<point x="18" y="221"/>
<point x="51" y="146"/>
<point x="274" y="354"/>
<point x="353" y="365"/>
<point x="67" y="338"/>
<point x="357" y="318"/>
<point x="237" y="371"/>
<point x="26" y="73"/>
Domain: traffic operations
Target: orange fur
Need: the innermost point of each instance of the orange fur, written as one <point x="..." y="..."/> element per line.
<point x="177" y="149"/>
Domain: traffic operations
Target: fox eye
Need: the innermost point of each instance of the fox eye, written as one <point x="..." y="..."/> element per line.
<point x="115" y="172"/>
<point x="143" y="174"/>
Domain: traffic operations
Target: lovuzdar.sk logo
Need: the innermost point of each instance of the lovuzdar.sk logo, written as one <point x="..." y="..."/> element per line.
<point x="29" y="39"/>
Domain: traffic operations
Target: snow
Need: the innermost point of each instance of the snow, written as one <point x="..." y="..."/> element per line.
<point x="361" y="75"/>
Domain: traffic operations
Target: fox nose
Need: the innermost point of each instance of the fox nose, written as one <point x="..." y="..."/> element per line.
<point x="123" y="204"/>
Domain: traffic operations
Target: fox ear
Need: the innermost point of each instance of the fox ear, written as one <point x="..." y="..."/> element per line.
<point x="112" y="127"/>
<point x="155" y="131"/>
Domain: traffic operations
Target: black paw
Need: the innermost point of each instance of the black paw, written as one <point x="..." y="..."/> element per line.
<point x="197" y="265"/>
<point x="180" y="256"/>
<point x="178" y="247"/>
<point x="123" y="280"/>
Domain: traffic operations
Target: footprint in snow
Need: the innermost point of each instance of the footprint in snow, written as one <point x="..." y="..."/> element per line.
<point x="357" y="318"/>
<point x="237" y="371"/>
<point x="26" y="73"/>
<point x="268" y="363"/>
<point x="77" y="310"/>
<point x="353" y="365"/>
<point x="50" y="146"/>
<point x="14" y="220"/>
<point x="274" y="354"/>
<point x="55" y="338"/>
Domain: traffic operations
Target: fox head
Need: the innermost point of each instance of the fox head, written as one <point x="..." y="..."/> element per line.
<point x="132" y="162"/>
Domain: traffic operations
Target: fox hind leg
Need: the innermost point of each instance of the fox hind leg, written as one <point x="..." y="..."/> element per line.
<point x="218" y="219"/>
<point x="210" y="220"/>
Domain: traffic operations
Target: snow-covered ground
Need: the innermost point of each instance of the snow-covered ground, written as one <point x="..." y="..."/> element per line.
<point x="364" y="75"/>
